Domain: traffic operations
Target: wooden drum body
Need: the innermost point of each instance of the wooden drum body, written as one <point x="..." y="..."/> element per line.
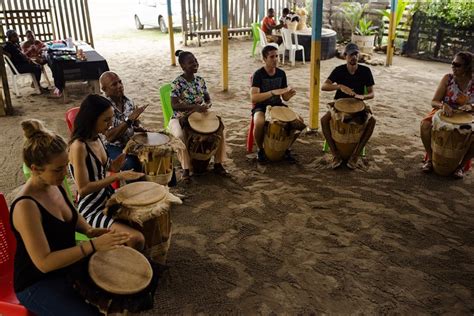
<point x="145" y="205"/>
<point x="280" y="131"/>
<point x="203" y="135"/>
<point x="451" y="138"/>
<point x="346" y="132"/>
<point x="155" y="154"/>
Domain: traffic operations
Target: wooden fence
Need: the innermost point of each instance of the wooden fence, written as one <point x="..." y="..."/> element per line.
<point x="204" y="15"/>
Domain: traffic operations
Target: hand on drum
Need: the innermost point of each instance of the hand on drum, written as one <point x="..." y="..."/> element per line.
<point x="111" y="240"/>
<point x="347" y="90"/>
<point x="359" y="97"/>
<point x="447" y="110"/>
<point x="129" y="175"/>
<point x="466" y="107"/>
<point x="289" y="94"/>
<point x="281" y="91"/>
<point x="137" y="112"/>
<point x="96" y="232"/>
<point x="118" y="163"/>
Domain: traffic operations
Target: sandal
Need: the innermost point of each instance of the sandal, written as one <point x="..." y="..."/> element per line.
<point x="336" y="162"/>
<point x="427" y="166"/>
<point x="352" y="163"/>
<point x="459" y="173"/>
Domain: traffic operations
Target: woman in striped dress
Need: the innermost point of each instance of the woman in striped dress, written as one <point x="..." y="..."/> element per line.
<point x="89" y="163"/>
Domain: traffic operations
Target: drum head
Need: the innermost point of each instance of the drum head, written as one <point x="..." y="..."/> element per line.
<point x="206" y="122"/>
<point x="457" y="118"/>
<point x="283" y="114"/>
<point x="140" y="193"/>
<point x="121" y="270"/>
<point x="349" y="105"/>
<point x="151" y="139"/>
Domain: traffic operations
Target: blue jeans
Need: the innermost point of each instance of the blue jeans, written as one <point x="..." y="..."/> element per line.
<point x="55" y="296"/>
<point x="131" y="162"/>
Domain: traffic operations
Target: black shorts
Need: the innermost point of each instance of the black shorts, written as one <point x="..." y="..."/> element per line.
<point x="263" y="108"/>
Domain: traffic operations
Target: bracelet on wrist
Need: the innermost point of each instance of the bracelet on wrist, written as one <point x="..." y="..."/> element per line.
<point x="92" y="245"/>
<point x="84" y="254"/>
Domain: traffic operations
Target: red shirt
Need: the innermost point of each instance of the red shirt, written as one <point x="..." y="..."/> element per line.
<point x="267" y="20"/>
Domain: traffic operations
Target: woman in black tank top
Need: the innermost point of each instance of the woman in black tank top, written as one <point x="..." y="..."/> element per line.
<point x="44" y="223"/>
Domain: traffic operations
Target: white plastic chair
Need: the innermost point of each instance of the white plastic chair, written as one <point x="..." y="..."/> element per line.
<point x="263" y="42"/>
<point x="17" y="75"/>
<point x="289" y="46"/>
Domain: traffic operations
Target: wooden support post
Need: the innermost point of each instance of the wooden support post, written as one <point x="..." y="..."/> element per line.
<point x="261" y="10"/>
<point x="315" y="64"/>
<point x="5" y="105"/>
<point x="391" y="33"/>
<point x="171" y="33"/>
<point x="225" y="44"/>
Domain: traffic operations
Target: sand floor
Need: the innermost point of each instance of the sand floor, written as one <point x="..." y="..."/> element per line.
<point x="296" y="239"/>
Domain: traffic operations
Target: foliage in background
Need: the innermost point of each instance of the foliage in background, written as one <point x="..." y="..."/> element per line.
<point x="459" y="13"/>
<point x="401" y="5"/>
<point x="365" y="28"/>
<point x="352" y="13"/>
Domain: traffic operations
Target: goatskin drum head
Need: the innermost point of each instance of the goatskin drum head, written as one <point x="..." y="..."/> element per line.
<point x="457" y="118"/>
<point x="283" y="114"/>
<point x="205" y="122"/>
<point x="151" y="139"/>
<point x="122" y="270"/>
<point x="140" y="193"/>
<point x="349" y="105"/>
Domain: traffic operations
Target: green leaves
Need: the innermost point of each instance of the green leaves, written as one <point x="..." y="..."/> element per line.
<point x="365" y="28"/>
<point x="459" y="13"/>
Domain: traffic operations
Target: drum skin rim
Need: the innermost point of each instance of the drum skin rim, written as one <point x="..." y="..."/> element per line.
<point x="144" y="135"/>
<point x="159" y="188"/>
<point x="208" y="126"/>
<point x="283" y="114"/>
<point x="137" y="258"/>
<point x="457" y="118"/>
<point x="349" y="105"/>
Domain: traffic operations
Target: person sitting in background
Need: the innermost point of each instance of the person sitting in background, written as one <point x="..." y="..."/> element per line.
<point x="124" y="122"/>
<point x="22" y="63"/>
<point x="269" y="24"/>
<point x="454" y="92"/>
<point x="89" y="163"/>
<point x="44" y="222"/>
<point x="33" y="48"/>
<point x="285" y="13"/>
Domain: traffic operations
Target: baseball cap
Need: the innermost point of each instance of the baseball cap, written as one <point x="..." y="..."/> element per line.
<point x="351" y="48"/>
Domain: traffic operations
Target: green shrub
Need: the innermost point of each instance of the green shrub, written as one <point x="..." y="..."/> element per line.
<point x="459" y="13"/>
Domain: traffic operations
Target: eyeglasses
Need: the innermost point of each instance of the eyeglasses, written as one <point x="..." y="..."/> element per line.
<point x="455" y="64"/>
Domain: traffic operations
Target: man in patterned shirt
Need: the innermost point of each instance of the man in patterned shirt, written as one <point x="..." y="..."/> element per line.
<point x="125" y="121"/>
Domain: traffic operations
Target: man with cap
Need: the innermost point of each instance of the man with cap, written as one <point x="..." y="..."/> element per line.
<point x="22" y="63"/>
<point x="124" y="122"/>
<point x="350" y="80"/>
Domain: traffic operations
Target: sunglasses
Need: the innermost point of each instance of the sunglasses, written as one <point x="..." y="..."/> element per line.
<point x="455" y="64"/>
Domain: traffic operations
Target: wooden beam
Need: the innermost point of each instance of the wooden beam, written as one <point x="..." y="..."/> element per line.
<point x="171" y="32"/>
<point x="315" y="64"/>
<point x="391" y="33"/>
<point x="225" y="43"/>
<point x="6" y="106"/>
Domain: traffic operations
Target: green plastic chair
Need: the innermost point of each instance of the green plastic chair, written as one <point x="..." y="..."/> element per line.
<point x="165" y="96"/>
<point x="256" y="36"/>
<point x="27" y="174"/>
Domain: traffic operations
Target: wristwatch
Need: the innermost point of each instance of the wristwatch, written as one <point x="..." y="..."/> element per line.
<point x="129" y="122"/>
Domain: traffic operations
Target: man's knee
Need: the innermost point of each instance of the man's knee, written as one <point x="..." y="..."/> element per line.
<point x="259" y="119"/>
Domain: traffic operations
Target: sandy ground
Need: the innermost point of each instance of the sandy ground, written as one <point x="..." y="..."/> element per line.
<point x="296" y="239"/>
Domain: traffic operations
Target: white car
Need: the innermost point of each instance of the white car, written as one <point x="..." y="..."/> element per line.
<point x="155" y="13"/>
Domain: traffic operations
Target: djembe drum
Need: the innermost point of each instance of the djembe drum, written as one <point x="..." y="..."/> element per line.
<point x="155" y="152"/>
<point x="451" y="138"/>
<point x="145" y="205"/>
<point x="117" y="280"/>
<point x="348" y="122"/>
<point x="203" y="135"/>
<point x="281" y="130"/>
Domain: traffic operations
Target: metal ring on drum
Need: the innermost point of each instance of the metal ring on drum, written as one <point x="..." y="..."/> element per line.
<point x="346" y="132"/>
<point x="451" y="138"/>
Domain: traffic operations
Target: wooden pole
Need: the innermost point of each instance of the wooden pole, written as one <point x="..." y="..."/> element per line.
<point x="5" y="107"/>
<point x="261" y="10"/>
<point x="391" y="33"/>
<point x="315" y="64"/>
<point x="171" y="33"/>
<point x="225" y="43"/>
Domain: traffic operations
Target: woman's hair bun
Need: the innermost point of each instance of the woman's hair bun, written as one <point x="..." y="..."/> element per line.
<point x="179" y="51"/>
<point x="33" y="127"/>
